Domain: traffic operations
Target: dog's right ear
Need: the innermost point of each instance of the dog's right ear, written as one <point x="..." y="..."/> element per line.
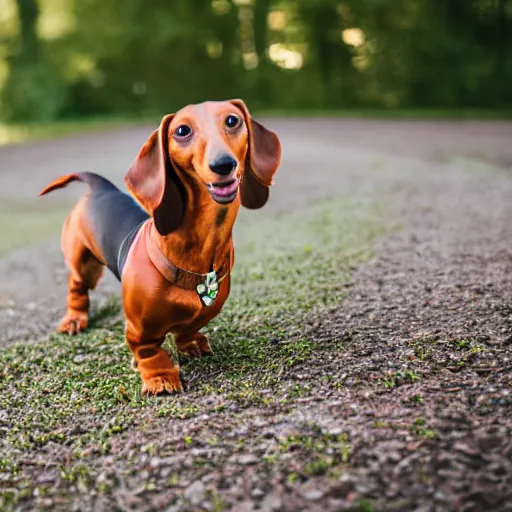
<point x="154" y="183"/>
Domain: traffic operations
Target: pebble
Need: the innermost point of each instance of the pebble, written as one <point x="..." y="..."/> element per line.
<point x="195" y="493"/>
<point x="45" y="478"/>
<point x="271" y="502"/>
<point x="244" y="506"/>
<point x="313" y="495"/>
<point x="247" y="460"/>
<point x="154" y="462"/>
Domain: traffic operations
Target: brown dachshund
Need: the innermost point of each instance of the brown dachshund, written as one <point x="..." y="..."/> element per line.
<point x="174" y="255"/>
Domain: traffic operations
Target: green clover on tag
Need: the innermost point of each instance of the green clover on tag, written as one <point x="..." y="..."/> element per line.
<point x="208" y="290"/>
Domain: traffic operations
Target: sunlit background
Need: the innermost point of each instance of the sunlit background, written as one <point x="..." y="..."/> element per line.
<point x="81" y="58"/>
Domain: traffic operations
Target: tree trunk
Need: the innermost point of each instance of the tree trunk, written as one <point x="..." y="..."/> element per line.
<point x="28" y="12"/>
<point x="260" y="27"/>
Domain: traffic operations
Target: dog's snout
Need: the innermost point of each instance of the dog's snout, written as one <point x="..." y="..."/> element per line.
<point x="223" y="165"/>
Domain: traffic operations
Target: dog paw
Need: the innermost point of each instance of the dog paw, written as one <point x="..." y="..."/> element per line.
<point x="167" y="383"/>
<point x="196" y="348"/>
<point x="73" y="323"/>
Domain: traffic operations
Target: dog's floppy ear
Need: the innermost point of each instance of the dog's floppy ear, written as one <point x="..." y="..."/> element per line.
<point x="261" y="162"/>
<point x="153" y="181"/>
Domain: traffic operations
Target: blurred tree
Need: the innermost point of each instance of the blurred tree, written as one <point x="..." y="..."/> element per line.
<point x="328" y="50"/>
<point x="32" y="91"/>
<point x="135" y="56"/>
<point x="28" y="13"/>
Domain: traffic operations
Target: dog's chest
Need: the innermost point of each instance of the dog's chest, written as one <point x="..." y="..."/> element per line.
<point x="186" y="309"/>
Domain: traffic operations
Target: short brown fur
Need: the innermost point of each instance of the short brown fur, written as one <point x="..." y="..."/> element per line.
<point x="170" y="180"/>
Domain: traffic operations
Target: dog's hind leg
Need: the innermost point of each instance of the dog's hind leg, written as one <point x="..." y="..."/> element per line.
<point x="84" y="272"/>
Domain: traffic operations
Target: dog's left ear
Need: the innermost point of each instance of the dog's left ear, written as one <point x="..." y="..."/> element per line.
<point x="261" y="163"/>
<point x="154" y="183"/>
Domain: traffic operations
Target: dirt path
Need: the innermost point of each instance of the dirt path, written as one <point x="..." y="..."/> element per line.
<point x="411" y="411"/>
<point x="322" y="158"/>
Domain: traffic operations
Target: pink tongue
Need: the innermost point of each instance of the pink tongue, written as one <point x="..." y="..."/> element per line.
<point x="226" y="191"/>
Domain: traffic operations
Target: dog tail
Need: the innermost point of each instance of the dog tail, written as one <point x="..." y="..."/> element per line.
<point x="95" y="182"/>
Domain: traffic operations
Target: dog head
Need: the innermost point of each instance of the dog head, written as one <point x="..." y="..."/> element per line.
<point x="215" y="149"/>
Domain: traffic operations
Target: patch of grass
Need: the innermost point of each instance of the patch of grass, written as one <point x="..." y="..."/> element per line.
<point x="175" y="411"/>
<point x="462" y="344"/>
<point x="363" y="505"/>
<point x="422" y="429"/>
<point x="80" y="391"/>
<point x="467" y="352"/>
<point x="416" y="399"/>
<point x="399" y="378"/>
<point x="8" y="465"/>
<point x="314" y="453"/>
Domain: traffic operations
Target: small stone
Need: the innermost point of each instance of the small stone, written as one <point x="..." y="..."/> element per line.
<point x="195" y="493"/>
<point x="45" y="478"/>
<point x="313" y="495"/>
<point x="257" y="493"/>
<point x="208" y="477"/>
<point x="271" y="502"/>
<point x="102" y="477"/>
<point x="247" y="460"/>
<point x="165" y="472"/>
<point x="244" y="506"/>
<point x="440" y="496"/>
<point x="423" y="508"/>
<point x="154" y="462"/>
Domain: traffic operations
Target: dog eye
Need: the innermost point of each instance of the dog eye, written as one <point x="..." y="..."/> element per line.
<point x="232" y="121"/>
<point x="183" y="131"/>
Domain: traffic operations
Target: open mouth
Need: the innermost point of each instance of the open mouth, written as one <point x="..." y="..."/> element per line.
<point x="224" y="192"/>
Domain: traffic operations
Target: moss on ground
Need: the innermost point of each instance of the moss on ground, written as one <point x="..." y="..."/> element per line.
<point x="80" y="390"/>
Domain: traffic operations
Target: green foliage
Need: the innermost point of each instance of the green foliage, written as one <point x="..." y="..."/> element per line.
<point x="284" y="54"/>
<point x="32" y="93"/>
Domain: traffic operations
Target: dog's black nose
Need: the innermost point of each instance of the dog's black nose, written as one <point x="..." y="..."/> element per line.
<point x="223" y="165"/>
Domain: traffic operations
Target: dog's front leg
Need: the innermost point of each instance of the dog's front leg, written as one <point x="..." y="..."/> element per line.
<point x="193" y="344"/>
<point x="158" y="372"/>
